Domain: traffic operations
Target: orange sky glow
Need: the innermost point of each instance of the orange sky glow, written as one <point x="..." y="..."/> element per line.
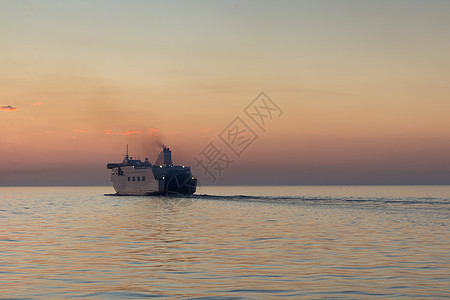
<point x="363" y="89"/>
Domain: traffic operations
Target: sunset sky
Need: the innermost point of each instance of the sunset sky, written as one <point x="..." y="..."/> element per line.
<point x="363" y="88"/>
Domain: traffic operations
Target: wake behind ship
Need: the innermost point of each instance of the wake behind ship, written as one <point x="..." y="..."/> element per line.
<point x="136" y="177"/>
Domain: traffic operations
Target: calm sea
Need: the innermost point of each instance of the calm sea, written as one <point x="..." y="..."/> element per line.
<point x="226" y="243"/>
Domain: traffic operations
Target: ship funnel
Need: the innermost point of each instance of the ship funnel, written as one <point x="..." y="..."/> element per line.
<point x="165" y="157"/>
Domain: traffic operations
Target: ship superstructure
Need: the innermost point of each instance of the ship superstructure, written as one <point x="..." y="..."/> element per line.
<point x="136" y="177"/>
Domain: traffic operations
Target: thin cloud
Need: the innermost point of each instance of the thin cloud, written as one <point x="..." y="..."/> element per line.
<point x="37" y="103"/>
<point x="154" y="132"/>
<point x="128" y="132"/>
<point x="108" y="131"/>
<point x="8" y="108"/>
<point x="80" y="130"/>
<point x="205" y="130"/>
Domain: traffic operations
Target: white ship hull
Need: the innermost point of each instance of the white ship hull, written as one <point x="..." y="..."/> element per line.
<point x="131" y="181"/>
<point x="134" y="177"/>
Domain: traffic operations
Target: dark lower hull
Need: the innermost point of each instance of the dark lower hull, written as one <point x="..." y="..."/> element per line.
<point x="180" y="183"/>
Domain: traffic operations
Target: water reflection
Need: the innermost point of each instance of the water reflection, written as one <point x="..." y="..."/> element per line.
<point x="78" y="243"/>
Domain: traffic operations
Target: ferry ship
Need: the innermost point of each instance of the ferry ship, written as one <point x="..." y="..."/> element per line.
<point x="141" y="178"/>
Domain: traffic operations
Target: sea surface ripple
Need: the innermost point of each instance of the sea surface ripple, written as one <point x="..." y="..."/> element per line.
<point x="226" y="243"/>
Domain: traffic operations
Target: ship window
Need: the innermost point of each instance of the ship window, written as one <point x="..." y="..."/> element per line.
<point x="143" y="178"/>
<point x="134" y="178"/>
<point x="128" y="178"/>
<point x="139" y="178"/>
